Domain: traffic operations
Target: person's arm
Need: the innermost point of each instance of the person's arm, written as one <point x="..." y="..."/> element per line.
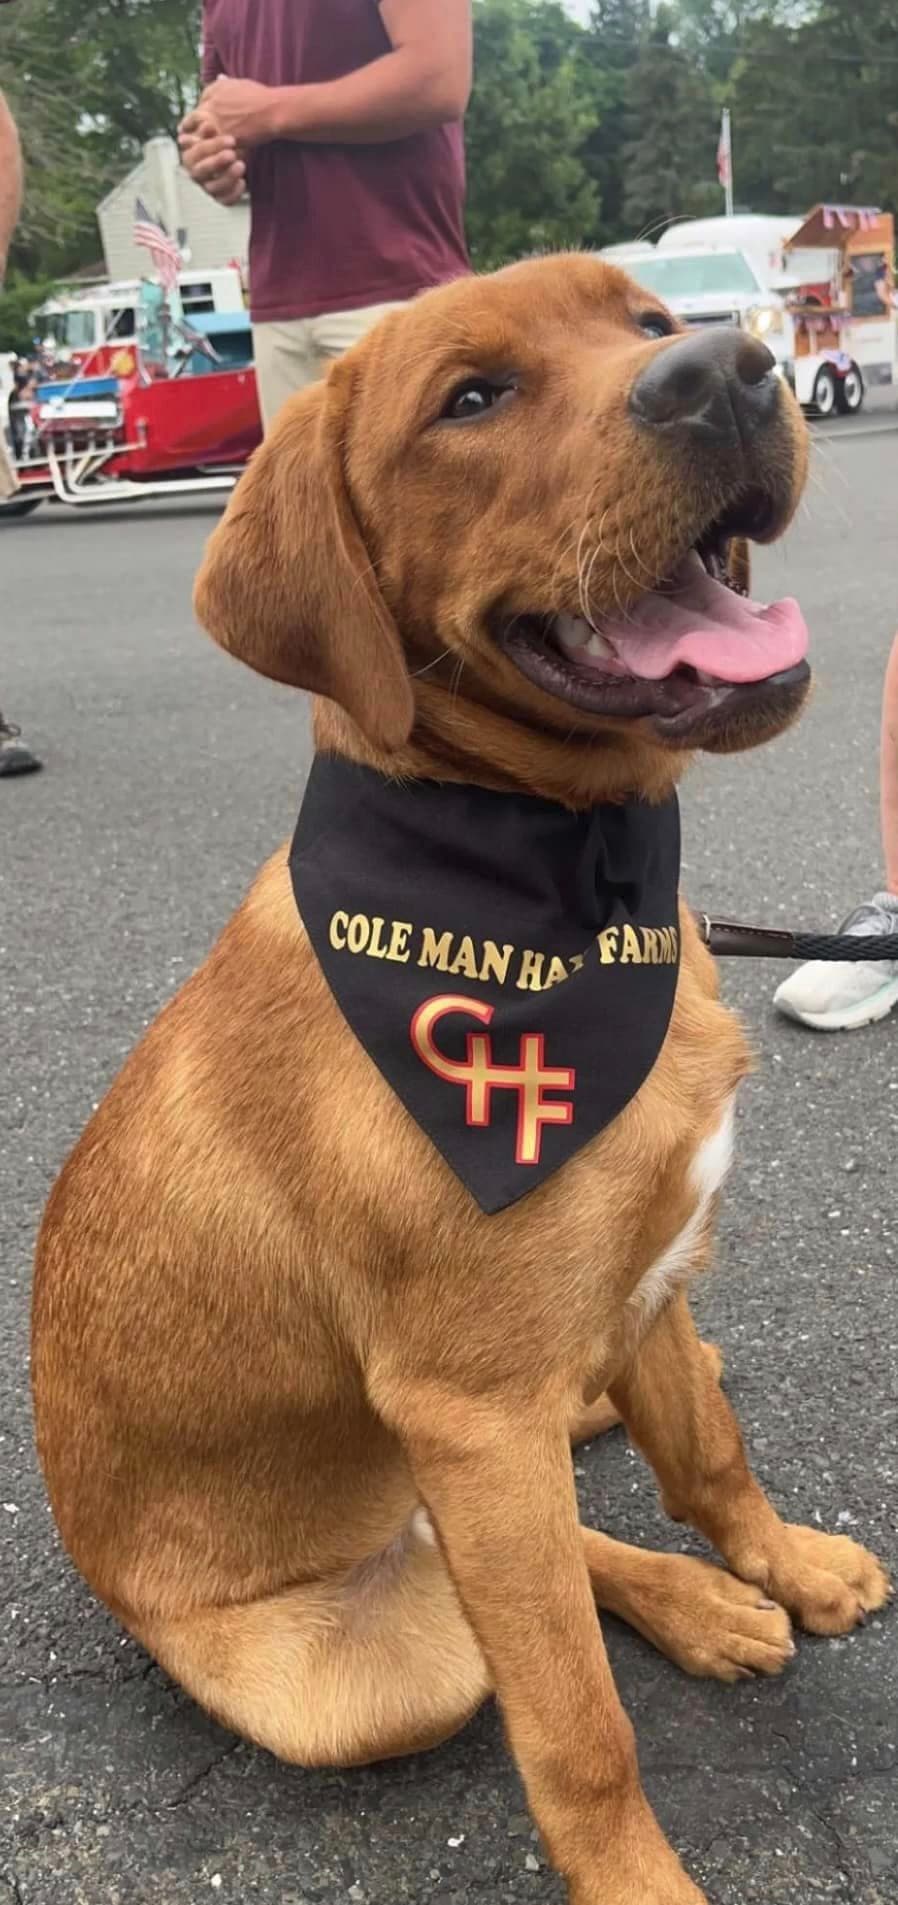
<point x="11" y="179"/>
<point x="211" y="68"/>
<point x="424" y="81"/>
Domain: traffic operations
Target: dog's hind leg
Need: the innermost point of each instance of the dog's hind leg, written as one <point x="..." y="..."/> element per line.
<point x="701" y="1617"/>
<point x="595" y="1418"/>
<point x="682" y="1422"/>
<point x="377" y="1664"/>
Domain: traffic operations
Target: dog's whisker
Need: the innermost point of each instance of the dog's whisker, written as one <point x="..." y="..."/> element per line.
<point x="819" y="478"/>
<point x="563" y="548"/>
<point x="418" y="672"/>
<point x="821" y="450"/>
<point x="598" y="551"/>
<point x="562" y="552"/>
<point x="817" y="481"/>
<point x="659" y="224"/>
<point x="639" y="561"/>
<point x="633" y="579"/>
<point x="601" y="549"/>
<point x="582" y="589"/>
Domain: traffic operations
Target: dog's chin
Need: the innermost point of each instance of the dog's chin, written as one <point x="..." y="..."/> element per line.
<point x="735" y="718"/>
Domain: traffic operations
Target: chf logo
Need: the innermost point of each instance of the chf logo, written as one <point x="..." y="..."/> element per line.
<point x="481" y="1076"/>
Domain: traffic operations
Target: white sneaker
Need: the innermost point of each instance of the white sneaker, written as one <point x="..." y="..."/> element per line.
<point x="838" y="996"/>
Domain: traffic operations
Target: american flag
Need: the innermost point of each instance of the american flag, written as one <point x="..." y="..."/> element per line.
<point x="867" y="217"/>
<point x="152" y="235"/>
<point x="725" y="152"/>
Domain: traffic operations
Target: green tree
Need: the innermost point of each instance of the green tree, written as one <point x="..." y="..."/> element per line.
<point x="137" y="65"/>
<point x="62" y="184"/>
<point x="850" y="112"/>
<point x="617" y="32"/>
<point x="89" y="81"/>
<point x="714" y="31"/>
<point x="672" y="122"/>
<point x="20" y="297"/>
<point x="777" y="168"/>
<point x="534" y="106"/>
<point x="815" y="109"/>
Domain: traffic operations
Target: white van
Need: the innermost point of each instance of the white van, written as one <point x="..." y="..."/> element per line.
<point x="702" y="286"/>
<point x="621" y="254"/>
<point x="760" y="235"/>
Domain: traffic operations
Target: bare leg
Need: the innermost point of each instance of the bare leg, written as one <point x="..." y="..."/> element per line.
<point x="888" y="770"/>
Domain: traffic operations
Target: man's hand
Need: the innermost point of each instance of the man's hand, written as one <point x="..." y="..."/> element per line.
<point x="242" y="109"/>
<point x="212" y="157"/>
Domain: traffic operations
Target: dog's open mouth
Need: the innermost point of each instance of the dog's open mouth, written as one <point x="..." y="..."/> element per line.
<point x="691" y="650"/>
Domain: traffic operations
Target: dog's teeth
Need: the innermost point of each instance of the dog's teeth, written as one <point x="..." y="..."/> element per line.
<point x="575" y="634"/>
<point x="572" y="631"/>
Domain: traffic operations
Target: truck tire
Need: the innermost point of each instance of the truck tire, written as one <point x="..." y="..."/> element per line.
<point x="850" y="392"/>
<point x="19" y="506"/>
<point x="826" y="392"/>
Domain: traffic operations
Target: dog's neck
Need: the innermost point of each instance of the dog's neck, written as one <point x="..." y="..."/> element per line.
<point x="451" y="741"/>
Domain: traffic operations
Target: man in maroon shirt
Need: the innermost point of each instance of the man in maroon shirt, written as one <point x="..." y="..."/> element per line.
<point x="343" y="119"/>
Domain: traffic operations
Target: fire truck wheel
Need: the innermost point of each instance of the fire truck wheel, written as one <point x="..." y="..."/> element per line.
<point x="826" y="392"/>
<point x="850" y="393"/>
<point x="20" y="506"/>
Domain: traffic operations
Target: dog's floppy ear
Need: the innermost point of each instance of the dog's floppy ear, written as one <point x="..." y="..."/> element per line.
<point x="286" y="583"/>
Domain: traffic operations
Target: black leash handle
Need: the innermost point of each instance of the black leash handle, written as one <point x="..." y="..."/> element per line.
<point x="729" y="939"/>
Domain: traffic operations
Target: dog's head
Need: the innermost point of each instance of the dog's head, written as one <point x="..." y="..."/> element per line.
<point x="525" y="499"/>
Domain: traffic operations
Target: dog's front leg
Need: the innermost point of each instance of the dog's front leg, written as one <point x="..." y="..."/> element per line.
<point x="498" y="1484"/>
<point x="679" y="1417"/>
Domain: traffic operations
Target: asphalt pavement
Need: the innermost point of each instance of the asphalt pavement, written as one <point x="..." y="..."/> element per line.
<point x="170" y="774"/>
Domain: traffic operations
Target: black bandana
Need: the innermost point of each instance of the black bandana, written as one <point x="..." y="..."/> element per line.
<point x="509" y="967"/>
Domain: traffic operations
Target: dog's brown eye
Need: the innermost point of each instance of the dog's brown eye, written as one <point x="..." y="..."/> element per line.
<point x="473" y="399"/>
<point x="655" y="324"/>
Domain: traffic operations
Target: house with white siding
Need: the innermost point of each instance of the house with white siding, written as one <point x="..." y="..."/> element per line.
<point x="211" y="235"/>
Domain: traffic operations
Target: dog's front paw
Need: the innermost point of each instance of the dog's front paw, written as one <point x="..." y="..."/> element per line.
<point x="828" y="1582"/>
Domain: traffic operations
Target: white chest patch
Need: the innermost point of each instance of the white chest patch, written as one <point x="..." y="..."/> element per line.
<point x="707" y="1171"/>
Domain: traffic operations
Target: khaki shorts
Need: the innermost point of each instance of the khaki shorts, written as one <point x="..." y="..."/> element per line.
<point x="297" y="352"/>
<point x="9" y="481"/>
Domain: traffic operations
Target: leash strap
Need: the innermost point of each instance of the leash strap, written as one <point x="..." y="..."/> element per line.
<point x="729" y="939"/>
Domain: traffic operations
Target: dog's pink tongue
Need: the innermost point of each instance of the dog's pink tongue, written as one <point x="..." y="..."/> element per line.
<point x="703" y="623"/>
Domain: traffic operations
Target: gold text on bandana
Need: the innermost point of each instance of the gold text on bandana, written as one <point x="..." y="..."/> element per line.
<point x="464" y="957"/>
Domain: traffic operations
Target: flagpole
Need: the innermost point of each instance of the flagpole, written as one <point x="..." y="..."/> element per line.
<point x="165" y="327"/>
<point x="728" y="147"/>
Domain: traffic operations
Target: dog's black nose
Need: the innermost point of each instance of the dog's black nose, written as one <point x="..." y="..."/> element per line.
<point x="715" y="387"/>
